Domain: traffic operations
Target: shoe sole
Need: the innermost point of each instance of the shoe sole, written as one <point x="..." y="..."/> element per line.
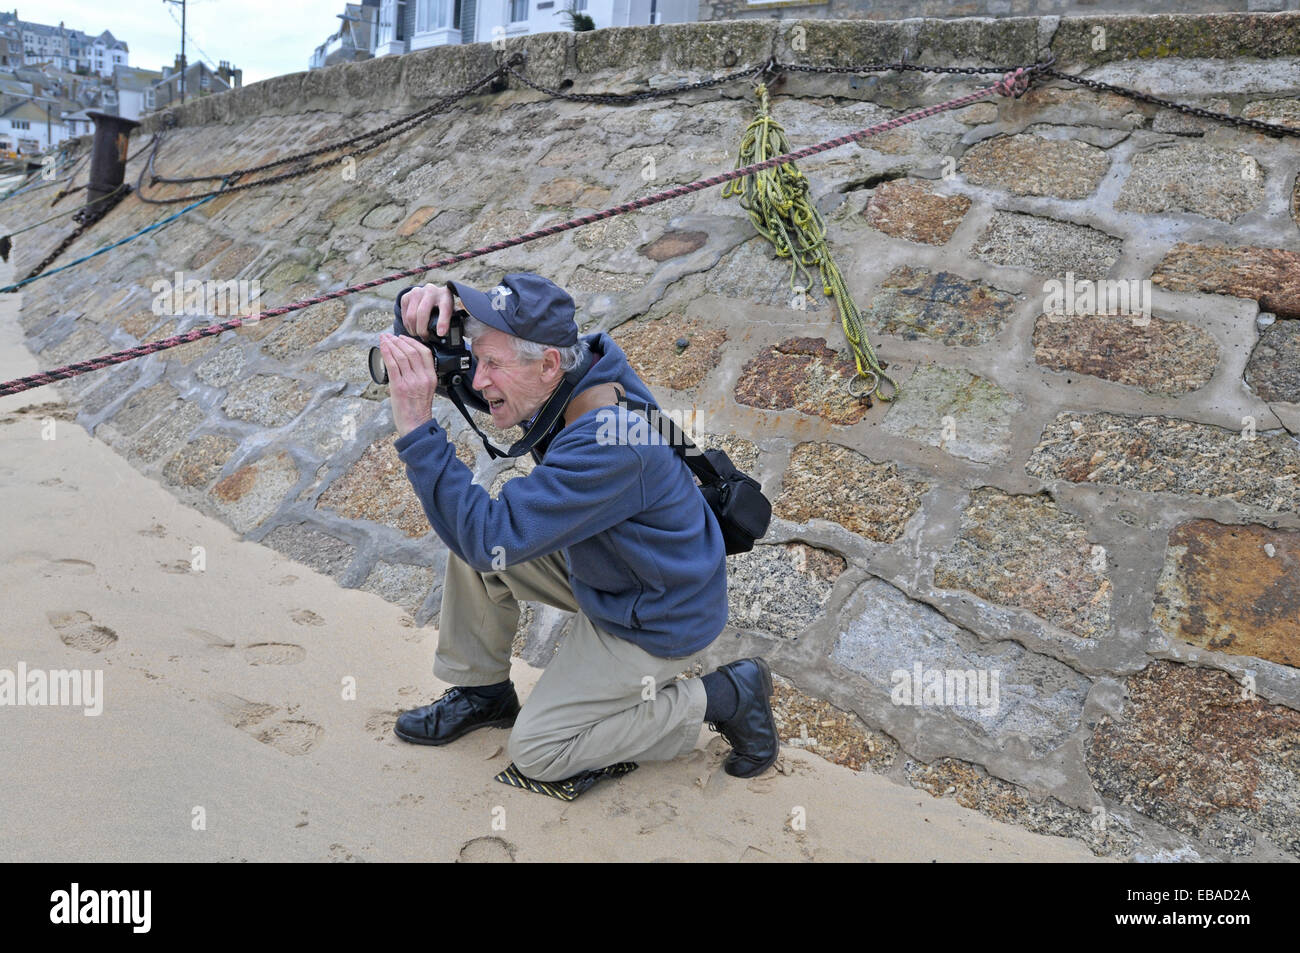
<point x="767" y="700"/>
<point x="419" y="740"/>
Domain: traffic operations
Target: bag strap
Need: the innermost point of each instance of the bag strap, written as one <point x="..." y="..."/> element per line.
<point x="610" y="394"/>
<point x="601" y="395"/>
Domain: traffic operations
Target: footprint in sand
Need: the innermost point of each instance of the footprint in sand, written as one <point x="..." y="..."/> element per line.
<point x="379" y="724"/>
<point x="655" y="815"/>
<point x="68" y="567"/>
<point x="48" y="566"/>
<point x="240" y="712"/>
<point x="487" y="850"/>
<point x="341" y="855"/>
<point x="292" y="736"/>
<point x="157" y="529"/>
<point x="209" y="639"/>
<point x="306" y="617"/>
<point x="178" y="567"/>
<point x="78" y="630"/>
<point x="274" y="653"/>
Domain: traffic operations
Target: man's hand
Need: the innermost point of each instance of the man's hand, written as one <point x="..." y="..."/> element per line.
<point x="417" y="310"/>
<point x="412" y="378"/>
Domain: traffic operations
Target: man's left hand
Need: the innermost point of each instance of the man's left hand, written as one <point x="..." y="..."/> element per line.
<point x="412" y="381"/>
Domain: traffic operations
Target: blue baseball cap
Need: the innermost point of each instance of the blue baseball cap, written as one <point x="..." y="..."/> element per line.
<point x="526" y="306"/>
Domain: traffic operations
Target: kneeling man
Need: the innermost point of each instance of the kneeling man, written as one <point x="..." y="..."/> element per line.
<point x="616" y="532"/>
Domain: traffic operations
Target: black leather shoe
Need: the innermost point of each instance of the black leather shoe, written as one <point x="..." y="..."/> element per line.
<point x="751" y="731"/>
<point x="455" y="713"/>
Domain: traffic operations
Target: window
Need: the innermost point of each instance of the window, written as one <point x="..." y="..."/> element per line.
<point x="654" y="11"/>
<point x="432" y="15"/>
<point x="579" y="5"/>
<point x="20" y="124"/>
<point x="518" y="11"/>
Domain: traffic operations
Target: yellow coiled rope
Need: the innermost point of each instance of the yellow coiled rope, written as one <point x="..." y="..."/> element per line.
<point x="777" y="202"/>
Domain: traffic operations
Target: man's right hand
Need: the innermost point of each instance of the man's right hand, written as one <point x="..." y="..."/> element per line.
<point x="418" y="306"/>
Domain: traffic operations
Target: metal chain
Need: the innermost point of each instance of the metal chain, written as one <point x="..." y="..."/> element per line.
<point x="615" y="99"/>
<point x="380" y="135"/>
<point x="393" y="127"/>
<point x="1255" y="124"/>
<point x="86" y="217"/>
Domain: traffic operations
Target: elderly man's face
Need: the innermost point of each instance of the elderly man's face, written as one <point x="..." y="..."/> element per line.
<point x="514" y="389"/>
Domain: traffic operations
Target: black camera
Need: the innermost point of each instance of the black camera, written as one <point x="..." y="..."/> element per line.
<point x="450" y="355"/>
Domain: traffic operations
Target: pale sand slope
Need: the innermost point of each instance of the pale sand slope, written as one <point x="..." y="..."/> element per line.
<point x="200" y="712"/>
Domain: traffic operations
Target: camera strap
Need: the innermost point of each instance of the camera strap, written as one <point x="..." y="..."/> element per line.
<point x="540" y="427"/>
<point x="542" y="423"/>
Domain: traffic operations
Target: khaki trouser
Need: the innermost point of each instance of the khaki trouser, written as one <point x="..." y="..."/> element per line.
<point x="589" y="708"/>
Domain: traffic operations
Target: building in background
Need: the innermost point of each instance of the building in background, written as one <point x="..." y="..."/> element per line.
<point x="405" y="25"/>
<point x="107" y="53"/>
<point x="354" y="39"/>
<point x="32" y="127"/>
<point x="199" y="80"/>
<point x="27" y="44"/>
<point x="135" y="89"/>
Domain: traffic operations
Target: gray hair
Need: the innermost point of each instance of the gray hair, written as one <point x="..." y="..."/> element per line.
<point x="571" y="358"/>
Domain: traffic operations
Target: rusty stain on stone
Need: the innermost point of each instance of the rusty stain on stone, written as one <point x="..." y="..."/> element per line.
<point x="805" y="375"/>
<point x="233" y="487"/>
<point x="1163" y="357"/>
<point x="908" y="210"/>
<point x="674" y="244"/>
<point x="1270" y="276"/>
<point x="416" y="220"/>
<point x="571" y="192"/>
<point x="1234" y="589"/>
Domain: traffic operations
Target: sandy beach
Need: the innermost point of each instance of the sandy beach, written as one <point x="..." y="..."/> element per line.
<point x="228" y="733"/>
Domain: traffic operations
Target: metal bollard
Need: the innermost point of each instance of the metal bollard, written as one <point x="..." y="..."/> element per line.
<point x="107" y="159"/>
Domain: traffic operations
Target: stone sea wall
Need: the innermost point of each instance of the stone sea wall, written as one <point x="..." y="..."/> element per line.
<point x="1096" y="515"/>
<point x="902" y="9"/>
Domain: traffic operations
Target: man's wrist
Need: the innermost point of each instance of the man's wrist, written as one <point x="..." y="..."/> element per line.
<point x="403" y="432"/>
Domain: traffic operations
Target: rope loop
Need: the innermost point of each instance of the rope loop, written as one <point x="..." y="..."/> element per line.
<point x="860" y="392"/>
<point x="1014" y="84"/>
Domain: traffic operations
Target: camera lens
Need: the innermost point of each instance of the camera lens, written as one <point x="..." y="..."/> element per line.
<point x="378" y="372"/>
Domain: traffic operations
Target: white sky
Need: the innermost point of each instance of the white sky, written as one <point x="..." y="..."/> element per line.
<point x="264" y="38"/>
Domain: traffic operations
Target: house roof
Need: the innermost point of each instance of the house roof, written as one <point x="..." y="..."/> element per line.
<point x="30" y="111"/>
<point x="134" y="78"/>
<point x="16" y="87"/>
<point x="193" y="74"/>
<point x="111" y="41"/>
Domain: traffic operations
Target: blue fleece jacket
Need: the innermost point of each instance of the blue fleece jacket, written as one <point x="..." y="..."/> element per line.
<point x="646" y="557"/>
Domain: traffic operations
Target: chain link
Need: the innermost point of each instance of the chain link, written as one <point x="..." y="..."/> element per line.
<point x="87" y="217"/>
<point x="1255" y="124"/>
<point x="615" y="99"/>
<point x="380" y="135"/>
